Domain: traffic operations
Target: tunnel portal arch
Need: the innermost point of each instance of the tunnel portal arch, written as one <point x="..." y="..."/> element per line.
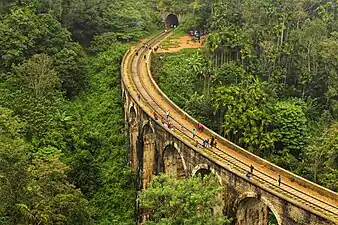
<point x="171" y="21"/>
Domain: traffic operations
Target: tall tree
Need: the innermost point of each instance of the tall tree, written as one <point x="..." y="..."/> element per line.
<point x="37" y="76"/>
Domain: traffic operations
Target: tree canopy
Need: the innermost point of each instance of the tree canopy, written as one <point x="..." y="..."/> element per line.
<point x="189" y="201"/>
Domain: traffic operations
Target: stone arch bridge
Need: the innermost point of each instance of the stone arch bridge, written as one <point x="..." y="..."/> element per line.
<point x="154" y="148"/>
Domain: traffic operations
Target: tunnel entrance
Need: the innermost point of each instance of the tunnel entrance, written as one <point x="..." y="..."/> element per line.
<point x="171" y="21"/>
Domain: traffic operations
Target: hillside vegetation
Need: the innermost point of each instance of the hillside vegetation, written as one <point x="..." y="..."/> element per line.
<point x="62" y="144"/>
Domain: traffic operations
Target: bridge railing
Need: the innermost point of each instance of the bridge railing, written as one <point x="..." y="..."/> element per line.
<point x="284" y="173"/>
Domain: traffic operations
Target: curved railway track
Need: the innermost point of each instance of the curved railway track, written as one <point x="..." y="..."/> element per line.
<point x="137" y="79"/>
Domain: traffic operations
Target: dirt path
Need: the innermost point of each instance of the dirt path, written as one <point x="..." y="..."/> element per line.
<point x="183" y="42"/>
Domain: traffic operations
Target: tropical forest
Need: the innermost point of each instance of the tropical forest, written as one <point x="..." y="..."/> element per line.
<point x="264" y="77"/>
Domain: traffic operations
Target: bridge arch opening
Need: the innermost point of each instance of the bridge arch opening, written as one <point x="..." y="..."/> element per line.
<point x="132" y="116"/>
<point x="252" y="210"/>
<point x="203" y="170"/>
<point x="171" y="21"/>
<point x="147" y="130"/>
<point x="172" y="162"/>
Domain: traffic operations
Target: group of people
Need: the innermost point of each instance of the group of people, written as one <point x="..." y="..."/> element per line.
<point x="205" y="143"/>
<point x="212" y="143"/>
<point x="146" y="46"/>
<point x="249" y="174"/>
<point x="164" y="119"/>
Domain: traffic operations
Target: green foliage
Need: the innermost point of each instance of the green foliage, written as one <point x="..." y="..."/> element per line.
<point x="248" y="117"/>
<point x="103" y="42"/>
<point x="13" y="165"/>
<point x="53" y="198"/>
<point x="322" y="155"/>
<point x="176" y="77"/>
<point x="291" y="132"/>
<point x="126" y="19"/>
<point x="34" y="187"/>
<point x="188" y="201"/>
<point x="37" y="76"/>
<point x="65" y="163"/>
<point x="24" y="34"/>
<point x="85" y="173"/>
<point x="71" y="64"/>
<point x="95" y="135"/>
<point x="201" y="108"/>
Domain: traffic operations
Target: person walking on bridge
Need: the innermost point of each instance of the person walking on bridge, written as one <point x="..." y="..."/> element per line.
<point x="167" y="114"/>
<point x="193" y="133"/>
<point x="248" y="175"/>
<point x="200" y="127"/>
<point x="279" y="180"/>
<point x="251" y="169"/>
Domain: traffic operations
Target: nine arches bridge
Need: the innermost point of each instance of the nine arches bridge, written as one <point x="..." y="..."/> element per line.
<point x="154" y="148"/>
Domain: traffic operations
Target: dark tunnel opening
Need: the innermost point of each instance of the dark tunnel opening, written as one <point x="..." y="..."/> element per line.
<point x="171" y="21"/>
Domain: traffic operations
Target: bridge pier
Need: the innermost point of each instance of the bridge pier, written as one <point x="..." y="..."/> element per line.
<point x="148" y="156"/>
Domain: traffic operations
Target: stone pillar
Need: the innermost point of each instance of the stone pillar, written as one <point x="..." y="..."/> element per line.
<point x="149" y="165"/>
<point x="133" y="146"/>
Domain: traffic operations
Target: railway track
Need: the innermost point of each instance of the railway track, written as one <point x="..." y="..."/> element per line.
<point x="137" y="78"/>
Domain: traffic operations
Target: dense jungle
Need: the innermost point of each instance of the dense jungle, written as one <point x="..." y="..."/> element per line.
<point x="265" y="78"/>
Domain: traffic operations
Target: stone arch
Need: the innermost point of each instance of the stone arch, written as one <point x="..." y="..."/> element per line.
<point x="257" y="210"/>
<point x="149" y="153"/>
<point x="132" y="112"/>
<point x="204" y="169"/>
<point x="171" y="21"/>
<point x="147" y="128"/>
<point x="173" y="163"/>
